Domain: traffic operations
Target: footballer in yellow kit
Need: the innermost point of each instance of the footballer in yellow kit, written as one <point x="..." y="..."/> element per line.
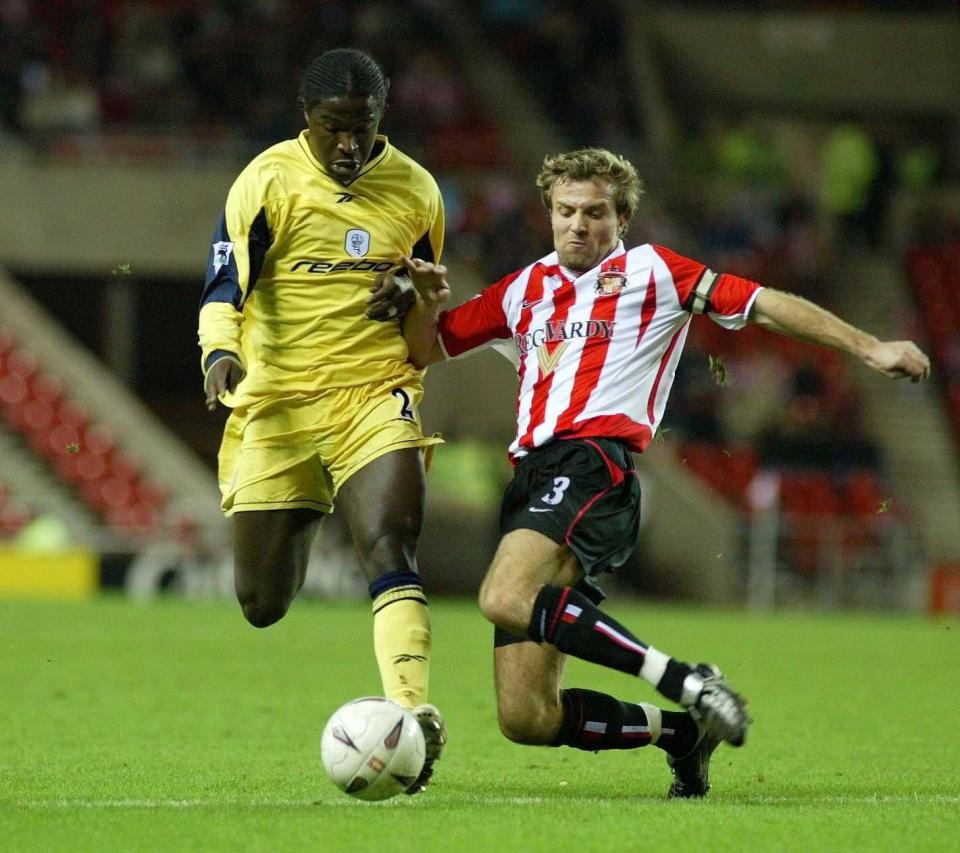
<point x="325" y="388"/>
<point x="300" y="341"/>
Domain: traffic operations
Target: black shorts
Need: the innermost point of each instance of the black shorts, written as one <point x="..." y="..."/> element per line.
<point x="582" y="493"/>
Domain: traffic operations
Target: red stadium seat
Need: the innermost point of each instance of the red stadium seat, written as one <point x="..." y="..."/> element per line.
<point x="72" y="414"/>
<point x="21" y="363"/>
<point x="701" y="458"/>
<point x="115" y="492"/>
<point x="134" y="519"/>
<point x="808" y="493"/>
<point x="804" y="545"/>
<point x="151" y="496"/>
<point x="13" y="390"/>
<point x="123" y="467"/>
<point x="82" y="452"/>
<point x="739" y="470"/>
<point x="47" y="388"/>
<point x="91" y="466"/>
<point x="99" y="439"/>
<point x="38" y="416"/>
<point x="864" y="494"/>
<point x="64" y="440"/>
<point x="14" y="516"/>
<point x="6" y="340"/>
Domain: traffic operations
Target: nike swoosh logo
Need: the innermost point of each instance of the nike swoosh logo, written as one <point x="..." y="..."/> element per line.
<point x="539" y="509"/>
<point x="530" y="304"/>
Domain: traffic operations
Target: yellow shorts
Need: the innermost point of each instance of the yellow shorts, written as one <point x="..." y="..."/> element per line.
<point x="296" y="453"/>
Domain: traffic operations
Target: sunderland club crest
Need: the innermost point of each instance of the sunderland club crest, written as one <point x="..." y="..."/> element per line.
<point x="610" y="282"/>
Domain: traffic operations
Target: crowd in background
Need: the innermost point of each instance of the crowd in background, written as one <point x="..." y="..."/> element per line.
<point x="771" y="200"/>
<point x="573" y="56"/>
<point x="219" y="70"/>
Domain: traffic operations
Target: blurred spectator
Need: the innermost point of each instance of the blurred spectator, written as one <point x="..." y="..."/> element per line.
<point x="817" y="427"/>
<point x="204" y="68"/>
<point x="850" y="164"/>
<point x="696" y="401"/>
<point x="227" y="73"/>
<point x="918" y="165"/>
<point x="800" y="254"/>
<point x="759" y="389"/>
<point x="745" y="154"/>
<point x="573" y="57"/>
<point x="16" y="58"/>
<point x="428" y="90"/>
<point x="58" y="99"/>
<point x="933" y="269"/>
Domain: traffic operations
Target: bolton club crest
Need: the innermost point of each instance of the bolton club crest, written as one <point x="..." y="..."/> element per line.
<point x="610" y="282"/>
<point x="356" y="243"/>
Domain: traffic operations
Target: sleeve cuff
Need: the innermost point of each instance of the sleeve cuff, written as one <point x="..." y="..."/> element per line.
<point x="216" y="356"/>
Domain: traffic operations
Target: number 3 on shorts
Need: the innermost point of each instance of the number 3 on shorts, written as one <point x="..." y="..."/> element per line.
<point x="559" y="487"/>
<point x="406" y="407"/>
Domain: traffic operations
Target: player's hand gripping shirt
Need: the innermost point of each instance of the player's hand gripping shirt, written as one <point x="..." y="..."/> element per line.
<point x="292" y="264"/>
<point x="597" y="352"/>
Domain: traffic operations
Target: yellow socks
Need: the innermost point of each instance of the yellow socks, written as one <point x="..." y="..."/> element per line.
<point x="401" y="637"/>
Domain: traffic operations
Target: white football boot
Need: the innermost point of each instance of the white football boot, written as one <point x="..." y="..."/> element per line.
<point x="715" y="705"/>
<point x="434" y="738"/>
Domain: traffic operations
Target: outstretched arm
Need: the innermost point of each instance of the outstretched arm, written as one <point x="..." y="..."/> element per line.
<point x="794" y="316"/>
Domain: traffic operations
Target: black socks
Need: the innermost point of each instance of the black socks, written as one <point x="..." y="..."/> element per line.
<point x="576" y="626"/>
<point x="593" y="721"/>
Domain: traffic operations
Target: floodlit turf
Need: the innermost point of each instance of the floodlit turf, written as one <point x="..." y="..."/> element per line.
<point x="174" y="726"/>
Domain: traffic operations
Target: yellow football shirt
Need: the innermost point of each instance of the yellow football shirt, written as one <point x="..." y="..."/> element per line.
<point x="292" y="263"/>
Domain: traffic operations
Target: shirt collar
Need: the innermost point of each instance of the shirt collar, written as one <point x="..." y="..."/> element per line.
<point x="551" y="264"/>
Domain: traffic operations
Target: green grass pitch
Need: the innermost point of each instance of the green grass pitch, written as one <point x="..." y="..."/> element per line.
<point x="175" y="726"/>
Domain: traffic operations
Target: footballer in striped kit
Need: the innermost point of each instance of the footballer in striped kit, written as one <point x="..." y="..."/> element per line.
<point x="597" y="332"/>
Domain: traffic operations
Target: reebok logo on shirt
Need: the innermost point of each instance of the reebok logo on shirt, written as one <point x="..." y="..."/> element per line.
<point x="317" y="267"/>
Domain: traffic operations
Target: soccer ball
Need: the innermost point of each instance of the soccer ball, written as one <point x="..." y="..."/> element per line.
<point x="372" y="748"/>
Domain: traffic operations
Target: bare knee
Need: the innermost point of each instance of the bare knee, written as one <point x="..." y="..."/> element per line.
<point x="271" y="551"/>
<point x="390" y="550"/>
<point x="524" y="562"/>
<point x="263" y="609"/>
<point x="506" y="607"/>
<point x="492" y="603"/>
<point x="530" y="724"/>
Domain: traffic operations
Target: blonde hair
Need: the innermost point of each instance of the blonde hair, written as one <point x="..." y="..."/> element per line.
<point x="588" y="164"/>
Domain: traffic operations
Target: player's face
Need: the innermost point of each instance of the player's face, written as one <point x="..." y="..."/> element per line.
<point x="342" y="133"/>
<point x="586" y="226"/>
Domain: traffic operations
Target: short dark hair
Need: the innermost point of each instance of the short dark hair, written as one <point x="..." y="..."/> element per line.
<point x="343" y="73"/>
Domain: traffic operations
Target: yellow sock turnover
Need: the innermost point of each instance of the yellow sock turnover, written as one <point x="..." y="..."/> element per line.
<point x="401" y="643"/>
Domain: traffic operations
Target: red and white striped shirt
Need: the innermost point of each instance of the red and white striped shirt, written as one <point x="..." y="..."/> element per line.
<point x="596" y="353"/>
